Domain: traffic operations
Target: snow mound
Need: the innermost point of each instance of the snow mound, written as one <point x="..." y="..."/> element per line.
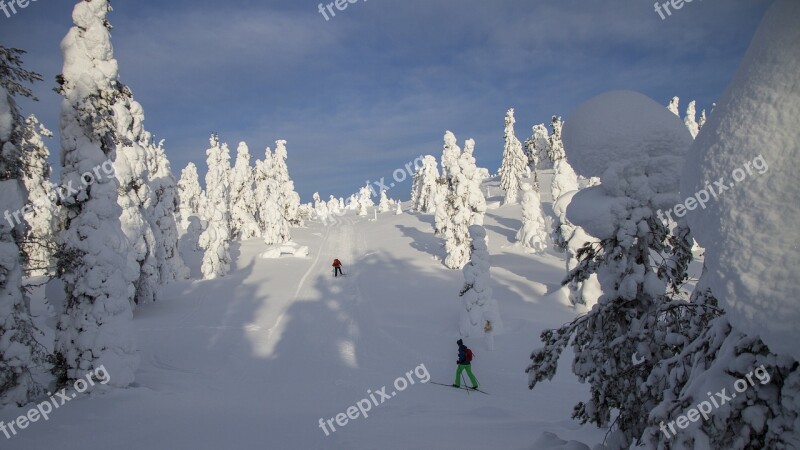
<point x="751" y="232"/>
<point x="290" y="249"/>
<point x="622" y="126"/>
<point x="550" y="441"/>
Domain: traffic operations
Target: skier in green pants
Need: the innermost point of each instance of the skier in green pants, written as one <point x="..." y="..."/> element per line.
<point x="464" y="363"/>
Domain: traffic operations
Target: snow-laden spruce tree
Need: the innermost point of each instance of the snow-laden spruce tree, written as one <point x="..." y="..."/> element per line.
<point x="533" y="234"/>
<point x="243" y="201"/>
<point x="399" y="210"/>
<point x="320" y="208"/>
<point x="95" y="329"/>
<point x="423" y="191"/>
<point x="564" y="179"/>
<point x="215" y="240"/>
<point x="450" y="156"/>
<point x="556" y="149"/>
<point x="334" y="207"/>
<point x="674" y="105"/>
<point x="192" y="197"/>
<point x="701" y="121"/>
<point x="20" y="353"/>
<point x="288" y="199"/>
<point x="365" y="200"/>
<point x="161" y="213"/>
<point x="383" y="204"/>
<point x="465" y="206"/>
<point x="481" y="315"/>
<point x="39" y="244"/>
<point x="638" y="150"/>
<point x="515" y="164"/>
<point x="691" y="119"/>
<point x="271" y="216"/>
<point x="537" y="147"/>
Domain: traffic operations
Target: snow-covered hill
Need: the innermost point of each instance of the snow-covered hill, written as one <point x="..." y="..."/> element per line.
<point x="257" y="358"/>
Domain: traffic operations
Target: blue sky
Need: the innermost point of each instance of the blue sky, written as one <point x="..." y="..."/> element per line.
<point x="367" y="91"/>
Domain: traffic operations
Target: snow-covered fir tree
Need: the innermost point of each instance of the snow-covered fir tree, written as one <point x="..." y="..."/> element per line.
<point x="271" y="215"/>
<point x="691" y="119"/>
<point x="481" y="316"/>
<point x="465" y="206"/>
<point x="20" y="353"/>
<point x="39" y="244"/>
<point x="243" y="202"/>
<point x="399" y="210"/>
<point x="515" y="164"/>
<point x="537" y="148"/>
<point x="564" y="179"/>
<point x="192" y="197"/>
<point x="624" y="327"/>
<point x="161" y="213"/>
<point x="383" y="204"/>
<point x="215" y="240"/>
<point x="556" y="148"/>
<point x="95" y="329"/>
<point x="674" y="105"/>
<point x="450" y="156"/>
<point x="288" y="200"/>
<point x="423" y="191"/>
<point x="533" y="234"/>
<point x="334" y="207"/>
<point x="365" y="200"/>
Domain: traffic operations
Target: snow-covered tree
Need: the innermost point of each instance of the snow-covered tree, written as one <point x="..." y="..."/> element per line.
<point x="334" y="207"/>
<point x="564" y="179"/>
<point x="383" y="204"/>
<point x="192" y="197"/>
<point x="533" y="234"/>
<point x="515" y="164"/>
<point x="288" y="200"/>
<point x="537" y="148"/>
<point x="20" y="353"/>
<point x="556" y="149"/>
<point x="271" y="215"/>
<point x="161" y="213"/>
<point x="215" y="240"/>
<point x="481" y="316"/>
<point x="624" y="328"/>
<point x="399" y="210"/>
<point x="691" y="119"/>
<point x="450" y="156"/>
<point x="39" y="244"/>
<point x="702" y="121"/>
<point x="465" y="206"/>
<point x="243" y="201"/>
<point x="95" y="329"/>
<point x="423" y="191"/>
<point x="674" y="106"/>
<point x="365" y="200"/>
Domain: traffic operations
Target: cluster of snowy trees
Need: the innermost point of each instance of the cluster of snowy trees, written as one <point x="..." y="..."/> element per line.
<point x="692" y="122"/>
<point x="240" y="202"/>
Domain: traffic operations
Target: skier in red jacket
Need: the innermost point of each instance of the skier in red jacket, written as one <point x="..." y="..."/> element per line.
<point x="337" y="268"/>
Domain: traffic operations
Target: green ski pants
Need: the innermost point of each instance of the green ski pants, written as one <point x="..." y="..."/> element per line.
<point x="468" y="368"/>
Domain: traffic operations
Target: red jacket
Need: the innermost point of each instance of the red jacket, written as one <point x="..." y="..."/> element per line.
<point x="337" y="263"/>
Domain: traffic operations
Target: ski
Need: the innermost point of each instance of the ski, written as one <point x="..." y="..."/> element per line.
<point x="464" y="388"/>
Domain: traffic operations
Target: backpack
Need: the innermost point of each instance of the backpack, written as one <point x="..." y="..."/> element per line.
<point x="336" y="262"/>
<point x="468" y="355"/>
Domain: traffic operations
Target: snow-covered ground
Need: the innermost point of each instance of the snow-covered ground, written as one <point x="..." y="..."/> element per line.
<point x="255" y="359"/>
